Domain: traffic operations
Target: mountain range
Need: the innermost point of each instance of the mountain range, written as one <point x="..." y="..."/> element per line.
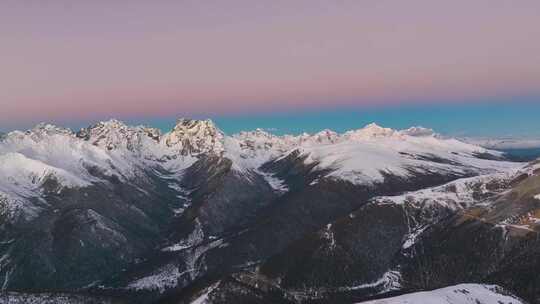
<point x="128" y="214"/>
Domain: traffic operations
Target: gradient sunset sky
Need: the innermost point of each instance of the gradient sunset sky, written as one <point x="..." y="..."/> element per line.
<point x="301" y="65"/>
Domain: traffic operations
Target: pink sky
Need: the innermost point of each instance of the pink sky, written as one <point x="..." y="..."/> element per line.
<point x="69" y="59"/>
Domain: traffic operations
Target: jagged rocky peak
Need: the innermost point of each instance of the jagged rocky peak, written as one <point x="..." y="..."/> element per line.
<point x="113" y="134"/>
<point x="262" y="140"/>
<point x="192" y="137"/>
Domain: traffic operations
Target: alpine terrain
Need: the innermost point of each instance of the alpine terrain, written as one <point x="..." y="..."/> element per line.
<point x="128" y="214"/>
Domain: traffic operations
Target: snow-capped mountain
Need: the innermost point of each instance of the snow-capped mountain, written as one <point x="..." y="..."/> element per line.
<point x="112" y="148"/>
<point x="195" y="212"/>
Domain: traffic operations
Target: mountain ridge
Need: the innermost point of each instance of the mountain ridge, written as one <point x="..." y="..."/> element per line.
<point x="149" y="215"/>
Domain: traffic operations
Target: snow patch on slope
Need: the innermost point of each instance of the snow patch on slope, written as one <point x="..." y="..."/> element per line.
<point x="435" y="202"/>
<point x="412" y="237"/>
<point x="391" y="280"/>
<point x="459" y="294"/>
<point x="164" y="278"/>
<point x="203" y="298"/>
<point x="455" y="195"/>
<point x="277" y="184"/>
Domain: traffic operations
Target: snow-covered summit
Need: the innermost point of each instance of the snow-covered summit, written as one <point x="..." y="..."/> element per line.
<point x="374" y="131"/>
<point x="370" y="131"/>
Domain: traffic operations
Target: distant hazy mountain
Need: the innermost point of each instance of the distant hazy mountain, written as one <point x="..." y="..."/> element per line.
<point x="505" y="143"/>
<point x="513" y="148"/>
<point x="132" y="215"/>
